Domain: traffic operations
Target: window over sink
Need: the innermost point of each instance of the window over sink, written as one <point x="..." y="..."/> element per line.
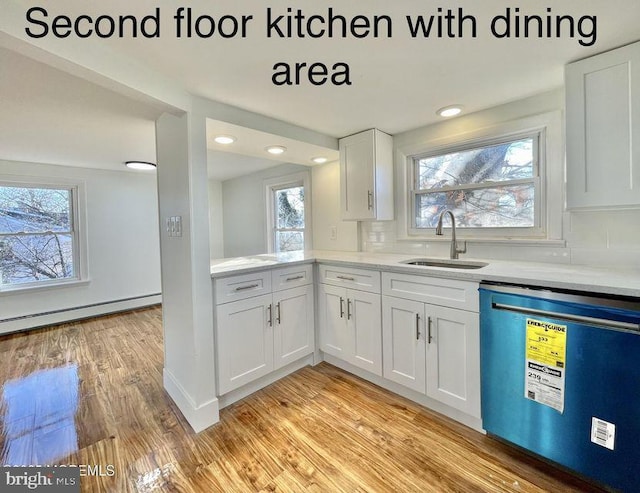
<point x="502" y="182"/>
<point x="485" y="185"/>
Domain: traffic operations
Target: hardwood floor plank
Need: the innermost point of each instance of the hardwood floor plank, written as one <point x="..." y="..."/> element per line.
<point x="317" y="430"/>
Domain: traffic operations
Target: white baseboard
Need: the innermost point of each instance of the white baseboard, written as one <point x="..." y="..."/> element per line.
<point x="470" y="421"/>
<point x="70" y="314"/>
<point x="199" y="417"/>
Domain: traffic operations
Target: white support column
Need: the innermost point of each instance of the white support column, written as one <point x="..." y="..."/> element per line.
<point x="189" y="369"/>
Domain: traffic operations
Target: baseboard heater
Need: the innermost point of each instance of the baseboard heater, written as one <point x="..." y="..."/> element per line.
<point x="35" y="320"/>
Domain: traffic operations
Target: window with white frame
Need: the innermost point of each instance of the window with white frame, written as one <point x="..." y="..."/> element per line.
<point x="288" y="213"/>
<point x="39" y="238"/>
<point x="491" y="186"/>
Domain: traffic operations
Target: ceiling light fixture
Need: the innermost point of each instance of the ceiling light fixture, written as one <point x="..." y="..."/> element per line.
<point x="140" y="165"/>
<point x="224" y="139"/>
<point x="319" y="160"/>
<point x="275" y="149"/>
<point x="449" y="111"/>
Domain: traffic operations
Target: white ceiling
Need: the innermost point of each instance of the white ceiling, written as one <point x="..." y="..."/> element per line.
<point x="398" y="83"/>
<point x="49" y="116"/>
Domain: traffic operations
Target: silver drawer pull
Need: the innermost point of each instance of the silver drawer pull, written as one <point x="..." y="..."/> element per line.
<point x="345" y="278"/>
<point x="250" y="286"/>
<point x="295" y="278"/>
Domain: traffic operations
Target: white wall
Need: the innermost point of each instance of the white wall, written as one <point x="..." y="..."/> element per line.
<point x="216" y="220"/>
<point x="244" y="210"/>
<point x="325" y="191"/>
<point x="123" y="247"/>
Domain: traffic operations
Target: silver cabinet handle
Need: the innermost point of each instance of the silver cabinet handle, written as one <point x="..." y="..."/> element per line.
<point x="278" y="312"/>
<point x="341" y="307"/>
<point x="270" y="318"/>
<point x="348" y="309"/>
<point x="369" y="199"/>
<point x="295" y="278"/>
<point x="345" y="278"/>
<point x="429" y="336"/>
<point x="250" y="286"/>
<point x="417" y="326"/>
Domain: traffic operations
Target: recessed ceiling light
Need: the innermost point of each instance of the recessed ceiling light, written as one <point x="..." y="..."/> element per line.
<point x="319" y="160"/>
<point x="449" y="111"/>
<point x="275" y="149"/>
<point x="224" y="139"/>
<point x="141" y="165"/>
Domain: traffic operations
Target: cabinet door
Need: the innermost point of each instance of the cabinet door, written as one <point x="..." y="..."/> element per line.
<point x="603" y="133"/>
<point x="365" y="329"/>
<point x="453" y="358"/>
<point x="331" y="318"/>
<point x="244" y="342"/>
<point x="404" y="342"/>
<point x="357" y="168"/>
<point x="293" y="324"/>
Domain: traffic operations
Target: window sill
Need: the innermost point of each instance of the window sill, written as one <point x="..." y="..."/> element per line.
<point x="498" y="241"/>
<point x="72" y="283"/>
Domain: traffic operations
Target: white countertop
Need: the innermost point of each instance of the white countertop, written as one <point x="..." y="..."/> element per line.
<point x="560" y="276"/>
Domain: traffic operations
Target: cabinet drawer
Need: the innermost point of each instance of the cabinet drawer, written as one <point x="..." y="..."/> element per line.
<point x="241" y="287"/>
<point x="291" y="277"/>
<point x="362" y="279"/>
<point x="445" y="292"/>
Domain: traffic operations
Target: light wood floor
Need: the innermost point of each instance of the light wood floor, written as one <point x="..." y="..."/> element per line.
<point x="91" y="393"/>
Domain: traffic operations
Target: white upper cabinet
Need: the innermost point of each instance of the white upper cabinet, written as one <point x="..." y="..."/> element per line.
<point x="603" y="129"/>
<point x="366" y="176"/>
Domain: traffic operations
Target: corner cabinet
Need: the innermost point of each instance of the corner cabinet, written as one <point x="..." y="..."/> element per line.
<point x="603" y="129"/>
<point x="366" y="176"/>
<point x="431" y="338"/>
<point x="264" y="321"/>
<point x="349" y="316"/>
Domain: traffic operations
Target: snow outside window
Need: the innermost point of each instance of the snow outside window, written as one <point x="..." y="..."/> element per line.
<point x="38" y="234"/>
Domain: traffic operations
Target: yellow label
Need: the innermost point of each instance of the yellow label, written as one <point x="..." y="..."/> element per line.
<point x="546" y="342"/>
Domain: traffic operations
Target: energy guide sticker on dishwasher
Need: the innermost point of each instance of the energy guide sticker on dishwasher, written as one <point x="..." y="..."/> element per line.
<point x="545" y="363"/>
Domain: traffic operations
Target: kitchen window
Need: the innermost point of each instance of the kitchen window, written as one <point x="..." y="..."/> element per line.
<point x="503" y="179"/>
<point x="288" y="215"/>
<point x="39" y="235"/>
<point x="487" y="185"/>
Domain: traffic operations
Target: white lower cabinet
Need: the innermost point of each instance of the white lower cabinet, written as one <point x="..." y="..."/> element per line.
<point x="350" y="326"/>
<point x="453" y="358"/>
<point x="260" y="334"/>
<point x="404" y="342"/>
<point x="293" y="335"/>
<point x="432" y="349"/>
<point x="417" y="331"/>
<point x="244" y="342"/>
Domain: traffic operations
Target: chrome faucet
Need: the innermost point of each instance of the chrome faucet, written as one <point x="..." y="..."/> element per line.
<point x="454" y="245"/>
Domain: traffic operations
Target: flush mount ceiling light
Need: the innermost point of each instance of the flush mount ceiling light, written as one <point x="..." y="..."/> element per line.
<point x="319" y="160"/>
<point x="449" y="111"/>
<point x="224" y="139"/>
<point x="141" y="165"/>
<point x="275" y="149"/>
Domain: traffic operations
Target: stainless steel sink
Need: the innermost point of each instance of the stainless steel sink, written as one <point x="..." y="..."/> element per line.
<point x="449" y="264"/>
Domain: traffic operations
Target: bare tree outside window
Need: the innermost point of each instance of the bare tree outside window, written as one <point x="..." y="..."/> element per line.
<point x="289" y="219"/>
<point x="36" y="234"/>
<point x="486" y="187"/>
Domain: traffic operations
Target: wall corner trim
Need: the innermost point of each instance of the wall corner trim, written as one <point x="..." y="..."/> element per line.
<point x="199" y="417"/>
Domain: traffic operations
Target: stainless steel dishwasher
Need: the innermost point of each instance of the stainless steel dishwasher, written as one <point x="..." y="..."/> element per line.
<point x="561" y="378"/>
